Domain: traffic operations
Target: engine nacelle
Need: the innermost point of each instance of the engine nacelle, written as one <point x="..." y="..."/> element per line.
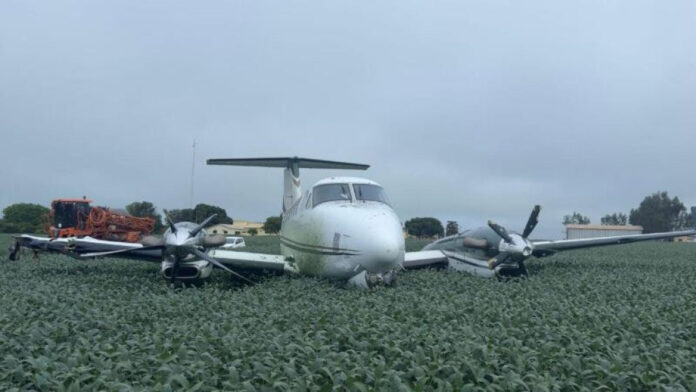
<point x="188" y="270"/>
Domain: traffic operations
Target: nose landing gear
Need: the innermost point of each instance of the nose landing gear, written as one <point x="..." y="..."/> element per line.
<point x="368" y="280"/>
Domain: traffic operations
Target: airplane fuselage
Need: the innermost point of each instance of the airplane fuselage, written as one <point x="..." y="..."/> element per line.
<point x="340" y="239"/>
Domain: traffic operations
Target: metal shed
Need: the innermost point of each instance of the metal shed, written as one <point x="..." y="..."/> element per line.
<point x="575" y="231"/>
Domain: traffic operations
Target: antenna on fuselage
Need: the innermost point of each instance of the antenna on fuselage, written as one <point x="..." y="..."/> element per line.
<point x="292" y="167"/>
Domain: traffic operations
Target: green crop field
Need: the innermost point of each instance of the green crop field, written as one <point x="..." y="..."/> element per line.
<point x="617" y="318"/>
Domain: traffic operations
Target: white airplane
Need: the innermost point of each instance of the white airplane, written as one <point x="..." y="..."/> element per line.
<point x="342" y="228"/>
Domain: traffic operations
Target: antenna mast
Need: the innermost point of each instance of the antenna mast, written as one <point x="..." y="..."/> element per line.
<point x="193" y="172"/>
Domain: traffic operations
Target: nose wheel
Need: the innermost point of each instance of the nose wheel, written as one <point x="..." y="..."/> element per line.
<point x="389" y="278"/>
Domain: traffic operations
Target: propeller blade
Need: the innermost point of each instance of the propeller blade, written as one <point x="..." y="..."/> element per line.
<point x="532" y="221"/>
<point x="500" y="230"/>
<point x="216" y="263"/>
<point x="200" y="227"/>
<point x="122" y="251"/>
<point x="172" y="227"/>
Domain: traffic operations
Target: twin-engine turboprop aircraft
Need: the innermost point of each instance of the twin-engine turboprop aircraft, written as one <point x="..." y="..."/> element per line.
<point x="343" y="228"/>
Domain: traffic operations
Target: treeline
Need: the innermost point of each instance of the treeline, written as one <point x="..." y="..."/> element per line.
<point x="23" y="218"/>
<point x="32" y="218"/>
<point x="656" y="213"/>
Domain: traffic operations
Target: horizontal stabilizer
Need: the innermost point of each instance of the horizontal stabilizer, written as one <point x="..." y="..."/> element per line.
<point x="305" y="163"/>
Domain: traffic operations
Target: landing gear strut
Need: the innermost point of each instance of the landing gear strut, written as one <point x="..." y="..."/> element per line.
<point x="15" y="250"/>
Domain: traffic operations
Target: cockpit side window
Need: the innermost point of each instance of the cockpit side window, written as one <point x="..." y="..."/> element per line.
<point x="369" y="192"/>
<point x="330" y="192"/>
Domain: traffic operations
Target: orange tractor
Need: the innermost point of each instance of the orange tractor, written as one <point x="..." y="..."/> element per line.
<point x="76" y="218"/>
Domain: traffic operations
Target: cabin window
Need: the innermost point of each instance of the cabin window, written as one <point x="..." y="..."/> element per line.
<point x="330" y="192"/>
<point x="369" y="192"/>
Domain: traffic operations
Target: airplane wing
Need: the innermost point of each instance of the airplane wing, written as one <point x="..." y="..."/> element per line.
<point x="447" y="259"/>
<point x="80" y="246"/>
<point x="546" y="248"/>
<point x="253" y="261"/>
<point x="425" y="259"/>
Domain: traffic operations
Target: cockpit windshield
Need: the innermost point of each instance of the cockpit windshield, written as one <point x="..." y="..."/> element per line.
<point x="369" y="192"/>
<point x="330" y="192"/>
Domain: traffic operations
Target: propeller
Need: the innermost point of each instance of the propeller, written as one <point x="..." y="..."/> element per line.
<point x="511" y="249"/>
<point x="178" y="245"/>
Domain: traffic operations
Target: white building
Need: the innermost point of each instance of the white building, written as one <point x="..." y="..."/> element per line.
<point x="239" y="227"/>
<point x="574" y="231"/>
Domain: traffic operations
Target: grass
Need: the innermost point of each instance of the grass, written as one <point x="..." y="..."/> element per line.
<point x="616" y="318"/>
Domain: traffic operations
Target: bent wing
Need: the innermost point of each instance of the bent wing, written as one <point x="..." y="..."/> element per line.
<point x="254" y="261"/>
<point x="546" y="248"/>
<point x="86" y="245"/>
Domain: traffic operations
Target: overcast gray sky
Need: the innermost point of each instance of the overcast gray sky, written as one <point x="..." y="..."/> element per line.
<point x="466" y="110"/>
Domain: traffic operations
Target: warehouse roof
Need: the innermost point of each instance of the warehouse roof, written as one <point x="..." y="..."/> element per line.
<point x="604" y="227"/>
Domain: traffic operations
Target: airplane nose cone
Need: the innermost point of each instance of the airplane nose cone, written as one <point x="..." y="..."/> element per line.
<point x="386" y="246"/>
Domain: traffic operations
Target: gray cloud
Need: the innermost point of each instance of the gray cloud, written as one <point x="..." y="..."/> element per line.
<point x="466" y="110"/>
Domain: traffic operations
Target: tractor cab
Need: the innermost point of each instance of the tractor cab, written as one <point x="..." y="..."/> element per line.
<point x="69" y="213"/>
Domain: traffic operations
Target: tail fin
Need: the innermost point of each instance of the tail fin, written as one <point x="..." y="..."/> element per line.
<point x="292" y="165"/>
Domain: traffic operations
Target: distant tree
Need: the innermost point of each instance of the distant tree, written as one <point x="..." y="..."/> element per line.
<point x="182" y="215"/>
<point x="615" y="219"/>
<point x="7" y="227"/>
<point x="202" y="211"/>
<point x="145" y="209"/>
<point x="658" y="213"/>
<point x="452" y="228"/>
<point x="424" y="227"/>
<point x="253" y="231"/>
<point x="576" y="218"/>
<point x="272" y="224"/>
<point x="199" y="213"/>
<point x="23" y="217"/>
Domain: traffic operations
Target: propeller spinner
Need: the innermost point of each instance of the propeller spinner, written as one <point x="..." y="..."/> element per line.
<point x="515" y="246"/>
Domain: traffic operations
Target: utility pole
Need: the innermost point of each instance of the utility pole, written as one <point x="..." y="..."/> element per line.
<point x="193" y="172"/>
